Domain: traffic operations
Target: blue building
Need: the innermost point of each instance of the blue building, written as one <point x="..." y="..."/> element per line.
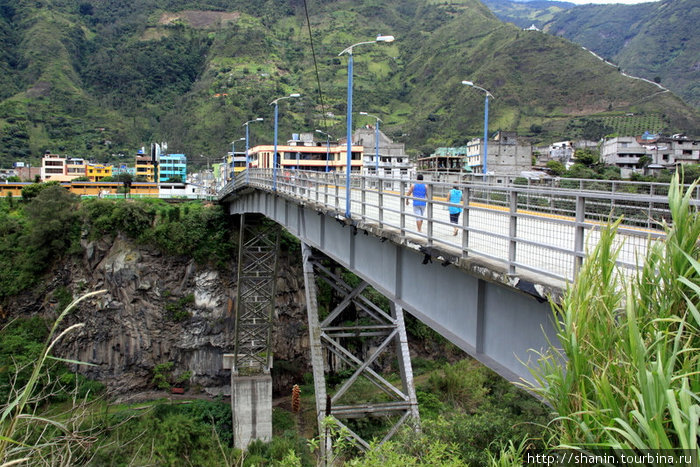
<point x="172" y="166"/>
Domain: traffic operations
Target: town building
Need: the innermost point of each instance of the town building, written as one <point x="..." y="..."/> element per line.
<point x="145" y="167"/>
<point x="172" y="167"/>
<point x="631" y="153"/>
<point x="53" y="167"/>
<point x="507" y="155"/>
<point x="123" y="169"/>
<point x="76" y="167"/>
<point x="96" y="172"/>
<point x="445" y="160"/>
<point x="304" y="153"/>
<point x="393" y="161"/>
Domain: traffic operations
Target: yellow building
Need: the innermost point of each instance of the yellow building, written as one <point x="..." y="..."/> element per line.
<point x="145" y="168"/>
<point x="96" y="172"/>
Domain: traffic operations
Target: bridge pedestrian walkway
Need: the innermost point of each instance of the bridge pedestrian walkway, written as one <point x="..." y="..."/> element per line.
<point x="540" y="232"/>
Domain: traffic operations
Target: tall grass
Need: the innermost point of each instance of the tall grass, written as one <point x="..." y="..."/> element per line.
<point x="627" y="374"/>
<point x="26" y="437"/>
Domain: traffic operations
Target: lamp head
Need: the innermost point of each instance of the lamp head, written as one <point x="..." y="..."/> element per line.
<point x="259" y="119"/>
<point x="364" y="113"/>
<point x="296" y="94"/>
<point x="468" y="83"/>
<point x="381" y="38"/>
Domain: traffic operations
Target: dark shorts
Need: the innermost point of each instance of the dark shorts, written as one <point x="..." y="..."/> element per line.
<point x="454" y="217"/>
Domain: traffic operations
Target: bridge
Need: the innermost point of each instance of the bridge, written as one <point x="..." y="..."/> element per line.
<point x="486" y="288"/>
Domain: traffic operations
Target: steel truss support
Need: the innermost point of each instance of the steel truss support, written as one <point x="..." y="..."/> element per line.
<point x="359" y="335"/>
<point x="255" y="303"/>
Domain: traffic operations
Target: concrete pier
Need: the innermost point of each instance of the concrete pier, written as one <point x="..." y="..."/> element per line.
<point x="251" y="404"/>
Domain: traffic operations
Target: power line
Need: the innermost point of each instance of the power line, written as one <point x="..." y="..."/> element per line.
<point x="318" y="79"/>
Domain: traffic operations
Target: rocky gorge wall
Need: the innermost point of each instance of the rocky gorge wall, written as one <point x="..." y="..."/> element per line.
<point x="159" y="308"/>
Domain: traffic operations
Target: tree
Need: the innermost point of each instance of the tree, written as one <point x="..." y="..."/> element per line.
<point x="594" y="130"/>
<point x="125" y="178"/>
<point x="33" y="190"/>
<point x="556" y="167"/>
<point x="644" y="161"/>
<point x="587" y="157"/>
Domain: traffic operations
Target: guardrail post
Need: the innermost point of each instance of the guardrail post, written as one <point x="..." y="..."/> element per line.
<point x="314" y="177"/>
<point x="579" y="233"/>
<point x="429" y="212"/>
<point x="363" y="197"/>
<point x="402" y="207"/>
<point x="337" y="194"/>
<point x="466" y="195"/>
<point x="513" y="231"/>
<point x="380" y="202"/>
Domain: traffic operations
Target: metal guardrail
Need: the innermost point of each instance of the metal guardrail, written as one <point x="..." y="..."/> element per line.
<point x="542" y="230"/>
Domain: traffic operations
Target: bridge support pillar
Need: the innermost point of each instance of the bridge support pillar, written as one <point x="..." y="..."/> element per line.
<point x="250" y="363"/>
<point x="363" y="339"/>
<point x="251" y="406"/>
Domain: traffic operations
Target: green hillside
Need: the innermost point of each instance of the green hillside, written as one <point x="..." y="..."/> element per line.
<point x="99" y="79"/>
<point x="657" y="40"/>
<point x="525" y="14"/>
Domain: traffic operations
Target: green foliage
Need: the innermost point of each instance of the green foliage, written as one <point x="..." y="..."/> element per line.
<point x="33" y="190"/>
<point x="162" y="374"/>
<point x="556" y="167"/>
<point x="167" y="435"/>
<point x="587" y="157"/>
<point x="26" y="437"/>
<point x="104" y="79"/>
<point x="631" y="344"/>
<point x="34" y="235"/>
<point x="177" y="310"/>
<point x="462" y="384"/>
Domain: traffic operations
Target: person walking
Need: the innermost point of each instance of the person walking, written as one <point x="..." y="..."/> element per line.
<point x="420" y="192"/>
<point x="455" y="200"/>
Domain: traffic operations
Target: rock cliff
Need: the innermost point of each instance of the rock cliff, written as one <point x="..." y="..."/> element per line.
<point x="157" y="309"/>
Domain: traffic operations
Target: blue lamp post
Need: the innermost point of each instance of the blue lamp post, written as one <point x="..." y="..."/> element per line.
<point x="274" y="160"/>
<point x="247" y="139"/>
<point x="348" y="51"/>
<point x="486" y="122"/>
<point x="376" y="141"/>
<point x="328" y="146"/>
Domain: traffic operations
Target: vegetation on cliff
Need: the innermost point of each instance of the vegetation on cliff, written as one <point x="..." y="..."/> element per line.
<point x="51" y="222"/>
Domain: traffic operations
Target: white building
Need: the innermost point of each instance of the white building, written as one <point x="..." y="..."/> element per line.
<point x="668" y="152"/>
<point x="393" y="160"/>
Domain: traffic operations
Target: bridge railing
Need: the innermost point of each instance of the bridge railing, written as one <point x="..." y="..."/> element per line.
<point x="541" y="230"/>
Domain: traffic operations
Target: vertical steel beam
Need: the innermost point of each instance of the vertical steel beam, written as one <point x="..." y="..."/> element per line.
<point x="317" y="360"/>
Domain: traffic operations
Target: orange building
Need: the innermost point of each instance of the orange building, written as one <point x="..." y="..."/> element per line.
<point x="306" y="154"/>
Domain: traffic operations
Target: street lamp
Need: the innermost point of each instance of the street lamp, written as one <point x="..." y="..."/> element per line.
<point x="274" y="161"/>
<point x="328" y="146"/>
<point x="376" y="141"/>
<point x="247" y="137"/>
<point x="348" y="51"/>
<point x="486" y="121"/>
